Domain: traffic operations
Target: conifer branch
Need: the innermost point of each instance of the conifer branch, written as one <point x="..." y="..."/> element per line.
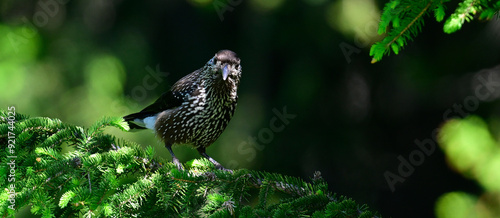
<point x="407" y="18"/>
<point x="407" y="27"/>
<point x="106" y="177"/>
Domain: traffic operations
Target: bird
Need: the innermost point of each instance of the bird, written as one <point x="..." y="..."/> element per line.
<point x="196" y="109"/>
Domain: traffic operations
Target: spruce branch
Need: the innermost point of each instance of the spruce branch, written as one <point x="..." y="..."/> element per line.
<point x="464" y="12"/>
<point x="407" y="19"/>
<point x="101" y="176"/>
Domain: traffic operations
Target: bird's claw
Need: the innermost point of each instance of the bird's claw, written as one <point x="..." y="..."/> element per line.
<point x="178" y="164"/>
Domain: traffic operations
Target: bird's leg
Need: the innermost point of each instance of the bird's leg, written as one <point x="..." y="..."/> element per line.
<point x="201" y="150"/>
<point x="174" y="158"/>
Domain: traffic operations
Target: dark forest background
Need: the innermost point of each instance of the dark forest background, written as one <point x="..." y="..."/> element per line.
<point x="82" y="60"/>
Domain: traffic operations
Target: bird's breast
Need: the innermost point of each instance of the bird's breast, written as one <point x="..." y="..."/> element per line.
<point x="200" y="119"/>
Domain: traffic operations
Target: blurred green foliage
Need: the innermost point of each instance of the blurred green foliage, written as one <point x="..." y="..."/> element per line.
<point x="18" y="57"/>
<point x="472" y="151"/>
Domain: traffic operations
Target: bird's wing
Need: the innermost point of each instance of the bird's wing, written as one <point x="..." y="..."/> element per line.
<point x="168" y="100"/>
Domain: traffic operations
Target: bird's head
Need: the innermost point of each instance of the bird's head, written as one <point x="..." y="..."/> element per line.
<point x="225" y="66"/>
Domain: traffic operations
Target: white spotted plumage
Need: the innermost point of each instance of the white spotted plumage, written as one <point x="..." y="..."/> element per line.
<point x="197" y="108"/>
<point x="209" y="104"/>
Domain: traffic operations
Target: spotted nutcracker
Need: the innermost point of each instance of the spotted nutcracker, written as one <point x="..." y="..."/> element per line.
<point x="197" y="108"/>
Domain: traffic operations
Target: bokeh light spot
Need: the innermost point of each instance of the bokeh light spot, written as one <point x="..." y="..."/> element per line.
<point x="354" y="17"/>
<point x="106" y="75"/>
<point x="466" y="142"/>
<point x="12" y="78"/>
<point x="455" y="205"/>
<point x="18" y="53"/>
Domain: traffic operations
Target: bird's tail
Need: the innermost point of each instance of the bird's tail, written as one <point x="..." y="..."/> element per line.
<point x="130" y="120"/>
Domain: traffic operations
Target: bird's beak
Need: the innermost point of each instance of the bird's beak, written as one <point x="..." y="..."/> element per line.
<point x="225" y="72"/>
